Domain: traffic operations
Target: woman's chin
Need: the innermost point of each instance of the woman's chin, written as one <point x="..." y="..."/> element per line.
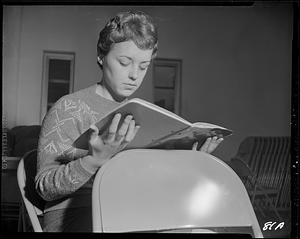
<point x="126" y="93"/>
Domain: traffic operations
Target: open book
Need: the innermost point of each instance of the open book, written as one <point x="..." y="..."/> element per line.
<point x="160" y="128"/>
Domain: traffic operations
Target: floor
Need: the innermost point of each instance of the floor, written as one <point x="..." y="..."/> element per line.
<point x="275" y="231"/>
<point x="279" y="229"/>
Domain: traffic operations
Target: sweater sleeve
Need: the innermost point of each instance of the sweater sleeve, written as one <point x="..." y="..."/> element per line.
<point x="59" y="169"/>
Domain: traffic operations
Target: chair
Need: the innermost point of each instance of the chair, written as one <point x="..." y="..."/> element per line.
<point x="263" y="165"/>
<point x="148" y="190"/>
<point x="255" y="190"/>
<point x="31" y="201"/>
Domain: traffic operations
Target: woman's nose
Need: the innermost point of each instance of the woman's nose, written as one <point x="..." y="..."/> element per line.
<point x="133" y="74"/>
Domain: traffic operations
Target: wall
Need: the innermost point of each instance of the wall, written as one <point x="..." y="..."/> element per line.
<point x="11" y="51"/>
<point x="236" y="61"/>
<point x="236" y="67"/>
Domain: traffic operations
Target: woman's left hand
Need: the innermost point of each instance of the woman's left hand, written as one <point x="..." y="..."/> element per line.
<point x="210" y="144"/>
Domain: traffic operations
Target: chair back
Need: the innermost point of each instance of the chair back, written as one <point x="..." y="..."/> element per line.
<point x="268" y="158"/>
<point x="160" y="190"/>
<point x="34" y="204"/>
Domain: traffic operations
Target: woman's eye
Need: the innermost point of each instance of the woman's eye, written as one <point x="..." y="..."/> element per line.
<point x="124" y="63"/>
<point x="144" y="67"/>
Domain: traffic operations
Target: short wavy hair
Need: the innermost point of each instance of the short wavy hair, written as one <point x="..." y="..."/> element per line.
<point x="136" y="26"/>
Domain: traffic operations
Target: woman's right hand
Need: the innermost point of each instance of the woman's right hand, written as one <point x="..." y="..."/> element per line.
<point x="113" y="140"/>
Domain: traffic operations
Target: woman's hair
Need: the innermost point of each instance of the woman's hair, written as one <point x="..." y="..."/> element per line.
<point x="125" y="26"/>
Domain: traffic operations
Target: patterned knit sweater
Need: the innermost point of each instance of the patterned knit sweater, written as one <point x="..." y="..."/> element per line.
<point x="62" y="180"/>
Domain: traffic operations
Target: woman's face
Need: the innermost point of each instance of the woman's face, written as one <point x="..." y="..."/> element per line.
<point x="124" y="68"/>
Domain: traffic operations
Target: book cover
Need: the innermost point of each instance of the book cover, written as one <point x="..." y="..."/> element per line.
<point x="160" y="128"/>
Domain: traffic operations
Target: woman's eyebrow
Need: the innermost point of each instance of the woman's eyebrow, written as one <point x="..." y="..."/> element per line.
<point x="128" y="57"/>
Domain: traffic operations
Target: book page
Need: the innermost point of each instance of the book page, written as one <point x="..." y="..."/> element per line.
<point x="155" y="123"/>
<point x="159" y="109"/>
<point x="214" y="130"/>
<point x="185" y="138"/>
<point x="206" y="125"/>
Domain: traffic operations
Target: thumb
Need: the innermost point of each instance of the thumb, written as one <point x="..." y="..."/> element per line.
<point x="94" y="131"/>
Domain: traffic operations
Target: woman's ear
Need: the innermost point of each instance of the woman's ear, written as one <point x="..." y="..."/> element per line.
<point x="100" y="61"/>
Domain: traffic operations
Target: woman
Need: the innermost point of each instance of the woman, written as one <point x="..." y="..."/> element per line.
<point x="126" y="46"/>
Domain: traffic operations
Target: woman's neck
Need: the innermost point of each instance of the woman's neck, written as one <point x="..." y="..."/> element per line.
<point x="104" y="90"/>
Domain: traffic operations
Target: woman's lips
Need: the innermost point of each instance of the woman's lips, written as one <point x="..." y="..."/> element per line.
<point x="130" y="86"/>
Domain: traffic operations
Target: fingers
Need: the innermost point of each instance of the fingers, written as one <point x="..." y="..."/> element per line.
<point x="94" y="133"/>
<point x="126" y="132"/>
<point x="95" y="130"/>
<point x="114" y="139"/>
<point x="124" y="128"/>
<point x="214" y="144"/>
<point x="204" y="147"/>
<point x="211" y="144"/>
<point x="113" y="128"/>
<point x="95" y="142"/>
<point x="195" y="145"/>
<point x="132" y="131"/>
